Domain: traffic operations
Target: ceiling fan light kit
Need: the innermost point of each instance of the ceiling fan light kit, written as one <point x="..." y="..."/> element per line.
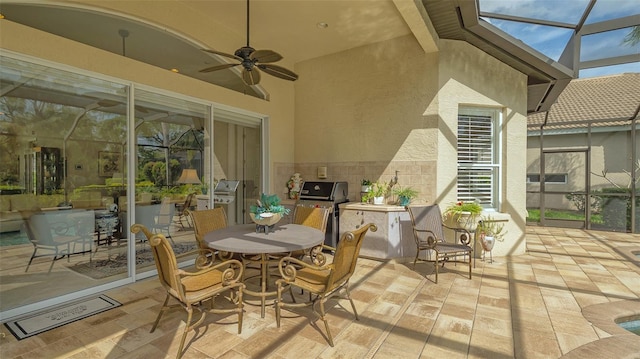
<point x="253" y="62"/>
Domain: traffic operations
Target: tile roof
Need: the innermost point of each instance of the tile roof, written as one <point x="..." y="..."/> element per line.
<point x="603" y="101"/>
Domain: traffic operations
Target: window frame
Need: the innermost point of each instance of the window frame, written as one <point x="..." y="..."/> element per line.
<point x="494" y="167"/>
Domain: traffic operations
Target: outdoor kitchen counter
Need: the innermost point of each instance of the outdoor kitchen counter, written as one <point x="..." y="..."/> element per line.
<point x="394" y="238"/>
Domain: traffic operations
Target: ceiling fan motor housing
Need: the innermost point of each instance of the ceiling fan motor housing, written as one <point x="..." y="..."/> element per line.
<point x="245" y="54"/>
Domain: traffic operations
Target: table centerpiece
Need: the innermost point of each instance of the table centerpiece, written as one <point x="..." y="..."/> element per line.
<point x="267" y="212"/>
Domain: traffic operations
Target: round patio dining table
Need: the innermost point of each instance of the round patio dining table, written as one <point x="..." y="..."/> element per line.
<point x="243" y="239"/>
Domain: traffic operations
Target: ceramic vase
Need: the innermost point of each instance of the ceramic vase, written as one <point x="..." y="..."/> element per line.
<point x="488" y="242"/>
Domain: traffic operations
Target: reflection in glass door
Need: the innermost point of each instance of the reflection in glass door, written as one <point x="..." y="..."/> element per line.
<point x="170" y="157"/>
<point x="237" y="157"/>
<point x="61" y="154"/>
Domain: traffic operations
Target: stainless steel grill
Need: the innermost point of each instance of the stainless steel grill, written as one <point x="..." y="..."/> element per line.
<point x="326" y="195"/>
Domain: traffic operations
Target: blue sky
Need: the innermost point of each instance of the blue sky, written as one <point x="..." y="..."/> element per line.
<point x="551" y="41"/>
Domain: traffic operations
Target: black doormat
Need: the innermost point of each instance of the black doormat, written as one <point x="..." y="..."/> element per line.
<point x="37" y="323"/>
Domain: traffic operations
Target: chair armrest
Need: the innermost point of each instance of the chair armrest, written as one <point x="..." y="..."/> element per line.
<point x="231" y="269"/>
<point x="317" y="257"/>
<point x="431" y="238"/>
<point x="288" y="270"/>
<point x="465" y="237"/>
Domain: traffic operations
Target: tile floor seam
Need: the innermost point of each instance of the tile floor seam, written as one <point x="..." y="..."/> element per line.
<point x="475" y="309"/>
<point x="385" y="333"/>
<point x="546" y="307"/>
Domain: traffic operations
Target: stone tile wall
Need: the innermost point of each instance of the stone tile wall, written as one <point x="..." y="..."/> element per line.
<point x="420" y="175"/>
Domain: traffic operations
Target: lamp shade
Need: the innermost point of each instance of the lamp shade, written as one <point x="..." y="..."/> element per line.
<point x="189" y="176"/>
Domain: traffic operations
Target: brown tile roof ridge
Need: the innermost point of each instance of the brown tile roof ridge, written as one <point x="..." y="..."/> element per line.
<point x="603" y="101"/>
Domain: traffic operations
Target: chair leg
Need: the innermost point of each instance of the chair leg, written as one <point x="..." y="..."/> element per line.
<point x="323" y="316"/>
<point x="436" y="264"/>
<point x="240" y="310"/>
<point x="35" y="249"/>
<point x="353" y="306"/>
<point x="162" y="309"/>
<point x="278" y="304"/>
<point x="416" y="259"/>
<point x="186" y="330"/>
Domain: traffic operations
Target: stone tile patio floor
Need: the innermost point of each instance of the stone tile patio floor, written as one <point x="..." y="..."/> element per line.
<point x="557" y="300"/>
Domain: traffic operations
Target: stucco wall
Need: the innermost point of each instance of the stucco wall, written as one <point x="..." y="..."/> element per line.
<point x="606" y="153"/>
<point x="361" y="113"/>
<point x="470" y="77"/>
<point x="369" y="111"/>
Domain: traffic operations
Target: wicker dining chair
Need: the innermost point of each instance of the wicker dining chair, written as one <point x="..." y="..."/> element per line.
<point x="324" y="281"/>
<point x="191" y="289"/>
<point x="314" y="217"/>
<point x="205" y="221"/>
<point x="428" y="232"/>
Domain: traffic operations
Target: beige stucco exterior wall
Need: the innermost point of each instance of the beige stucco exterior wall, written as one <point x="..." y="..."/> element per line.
<point x="470" y="77"/>
<point x="610" y="151"/>
<point x="360" y="113"/>
<point x="368" y="118"/>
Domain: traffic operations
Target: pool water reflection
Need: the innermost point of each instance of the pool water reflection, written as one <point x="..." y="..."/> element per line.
<point x="631" y="325"/>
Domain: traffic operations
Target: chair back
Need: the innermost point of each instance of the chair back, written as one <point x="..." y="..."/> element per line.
<point x="38" y="229"/>
<point x="314" y="217"/>
<point x="188" y="202"/>
<point x="165" y="215"/>
<point x="346" y="256"/>
<point x="165" y="260"/>
<point x="205" y="221"/>
<point x="43" y="228"/>
<point x="426" y="218"/>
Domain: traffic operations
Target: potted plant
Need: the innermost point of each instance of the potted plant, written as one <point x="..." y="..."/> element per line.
<point x="365" y="186"/>
<point x="464" y="213"/>
<point x="489" y="231"/>
<point x="267" y="212"/>
<point x="378" y="192"/>
<point x="405" y="195"/>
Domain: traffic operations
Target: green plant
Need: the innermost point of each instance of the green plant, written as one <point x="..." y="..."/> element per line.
<point x="405" y="195"/>
<point x="459" y="208"/>
<point x="379" y="189"/>
<point x="406" y="192"/>
<point x="365" y="182"/>
<point x="491" y="228"/>
<point x="268" y="204"/>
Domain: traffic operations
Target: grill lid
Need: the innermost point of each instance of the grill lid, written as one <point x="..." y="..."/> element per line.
<point x="325" y="191"/>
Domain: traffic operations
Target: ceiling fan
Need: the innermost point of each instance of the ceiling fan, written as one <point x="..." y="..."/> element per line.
<point x="252" y="60"/>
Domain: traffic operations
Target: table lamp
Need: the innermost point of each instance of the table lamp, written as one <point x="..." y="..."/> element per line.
<point x="189" y="176"/>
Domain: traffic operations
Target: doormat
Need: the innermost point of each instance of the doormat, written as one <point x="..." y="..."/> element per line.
<point x="57" y="317"/>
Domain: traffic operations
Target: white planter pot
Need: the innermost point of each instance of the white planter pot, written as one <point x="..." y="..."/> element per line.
<point x="378" y="200"/>
<point x="487" y="243"/>
<point x="467" y="221"/>
<point x="365" y="189"/>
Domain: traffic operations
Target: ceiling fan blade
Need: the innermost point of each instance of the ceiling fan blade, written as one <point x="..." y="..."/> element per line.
<point x="251" y="77"/>
<point x="218" y="67"/>
<point x="265" y="56"/>
<point x="278" y="71"/>
<point x="223" y="54"/>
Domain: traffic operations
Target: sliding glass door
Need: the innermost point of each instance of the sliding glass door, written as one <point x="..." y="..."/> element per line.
<point x="83" y="157"/>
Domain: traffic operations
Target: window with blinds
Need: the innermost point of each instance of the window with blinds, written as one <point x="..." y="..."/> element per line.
<point x="478" y="166"/>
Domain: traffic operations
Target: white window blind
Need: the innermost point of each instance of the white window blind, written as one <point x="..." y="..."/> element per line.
<point x="478" y="166"/>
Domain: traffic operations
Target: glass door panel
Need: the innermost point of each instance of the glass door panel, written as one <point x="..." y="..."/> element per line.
<point x="170" y="165"/>
<point x="238" y="157"/>
<point x="60" y="150"/>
